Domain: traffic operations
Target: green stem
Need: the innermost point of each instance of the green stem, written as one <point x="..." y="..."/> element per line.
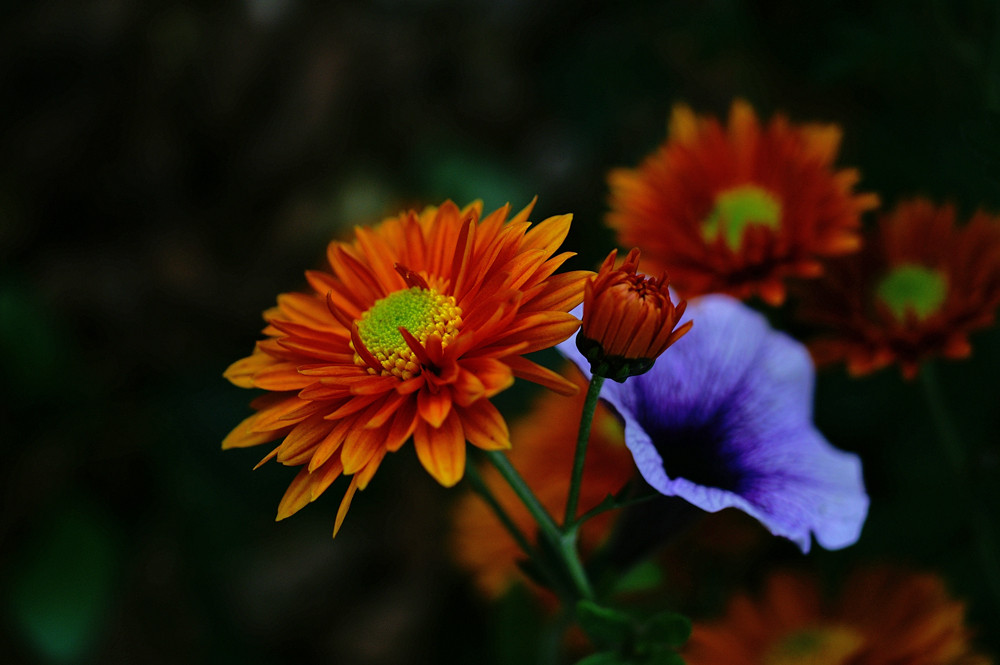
<point x="563" y="543"/>
<point x="615" y="503"/>
<point x="954" y="451"/>
<point x="947" y="433"/>
<point x="582" y="438"/>
<point x="528" y="498"/>
<point x="480" y="488"/>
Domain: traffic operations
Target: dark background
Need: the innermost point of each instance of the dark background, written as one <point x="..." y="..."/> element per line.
<point x="166" y="169"/>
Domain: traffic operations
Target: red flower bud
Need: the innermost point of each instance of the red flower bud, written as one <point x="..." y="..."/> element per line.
<point x="628" y="319"/>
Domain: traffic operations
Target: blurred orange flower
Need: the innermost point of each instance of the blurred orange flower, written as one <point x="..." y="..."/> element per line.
<point x="423" y="319"/>
<point x="628" y="319"/>
<point x="546" y="442"/>
<point x="917" y="290"/>
<point x="882" y="617"/>
<point x="738" y="209"/>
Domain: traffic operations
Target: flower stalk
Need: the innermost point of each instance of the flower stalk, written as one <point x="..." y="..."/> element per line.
<point x="586" y="419"/>
<point x="954" y="451"/>
<point x="562" y="542"/>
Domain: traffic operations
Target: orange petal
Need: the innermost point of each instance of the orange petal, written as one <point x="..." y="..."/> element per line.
<point x="523" y="214"/>
<point x="548" y="235"/>
<point x="366" y="474"/>
<point x="403" y="424"/>
<point x="279" y="413"/>
<point x="352" y="406"/>
<point x="302" y="438"/>
<point x="560" y="292"/>
<point x="359" y="447"/>
<point x="324" y="477"/>
<point x="296" y="497"/>
<point x="281" y="376"/>
<point x="380" y="413"/>
<point x="305" y="308"/>
<point x="467" y="388"/>
<point x="683" y="126"/>
<point x="330" y="444"/>
<point x="345" y="504"/>
<point x="434" y="408"/>
<point x="526" y="369"/>
<point x="541" y="330"/>
<point x="244" y="436"/>
<point x="241" y="372"/>
<point x="484" y="426"/>
<point x="492" y="373"/>
<point x="442" y="451"/>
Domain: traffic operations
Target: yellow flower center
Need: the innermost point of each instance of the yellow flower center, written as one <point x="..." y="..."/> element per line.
<point x="422" y="312"/>
<point x="740" y="207"/>
<point x="826" y="645"/>
<point x="912" y="287"/>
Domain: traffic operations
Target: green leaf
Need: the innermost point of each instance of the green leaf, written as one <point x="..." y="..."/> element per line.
<point x="642" y="577"/>
<point x="667" y="628"/>
<point x="604" y="625"/>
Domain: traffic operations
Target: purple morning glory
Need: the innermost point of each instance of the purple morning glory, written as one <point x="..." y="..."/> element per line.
<point x="724" y="420"/>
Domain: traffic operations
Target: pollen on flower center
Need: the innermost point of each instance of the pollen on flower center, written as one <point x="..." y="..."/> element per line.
<point x="912" y="287"/>
<point x="423" y="312"/>
<point x="827" y="645"/>
<point x="737" y="208"/>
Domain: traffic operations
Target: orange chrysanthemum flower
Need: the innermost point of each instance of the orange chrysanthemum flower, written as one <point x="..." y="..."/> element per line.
<point x="738" y="210"/>
<point x="544" y="456"/>
<point x="628" y="319"/>
<point x="424" y="318"/>
<point x="882" y="616"/>
<point x="917" y="290"/>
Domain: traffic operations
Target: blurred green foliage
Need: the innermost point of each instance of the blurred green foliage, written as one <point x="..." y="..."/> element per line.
<point x="62" y="581"/>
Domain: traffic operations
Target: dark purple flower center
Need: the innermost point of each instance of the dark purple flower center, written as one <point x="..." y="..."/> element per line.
<point x="699" y="450"/>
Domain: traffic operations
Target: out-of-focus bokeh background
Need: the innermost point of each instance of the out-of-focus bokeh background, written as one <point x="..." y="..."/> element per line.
<point x="166" y="169"/>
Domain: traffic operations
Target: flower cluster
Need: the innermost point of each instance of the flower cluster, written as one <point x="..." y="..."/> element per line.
<point x="420" y="321"/>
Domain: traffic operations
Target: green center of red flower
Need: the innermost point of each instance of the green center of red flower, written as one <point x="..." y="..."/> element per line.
<point x="911" y="287"/>
<point x="737" y="208"/>
<point x="826" y="645"/>
<point x="422" y="312"/>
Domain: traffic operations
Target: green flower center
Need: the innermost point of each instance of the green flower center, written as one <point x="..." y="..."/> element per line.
<point x="423" y="312"/>
<point x="828" y="645"/>
<point x="740" y="207"/>
<point x="912" y="287"/>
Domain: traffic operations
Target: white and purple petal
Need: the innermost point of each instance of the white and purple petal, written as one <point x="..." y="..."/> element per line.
<point x="724" y="419"/>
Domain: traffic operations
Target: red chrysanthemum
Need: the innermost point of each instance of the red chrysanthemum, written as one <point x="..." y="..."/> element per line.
<point x="423" y="319"/>
<point x="544" y="457"/>
<point x="738" y="209"/>
<point x="916" y="291"/>
<point x="882" y="617"/>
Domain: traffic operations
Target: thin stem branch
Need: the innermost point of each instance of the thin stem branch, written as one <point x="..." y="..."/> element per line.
<point x="948" y="436"/>
<point x="955" y="452"/>
<point x="528" y="498"/>
<point x="480" y="488"/>
<point x="562" y="542"/>
<point x="583" y="437"/>
<point x="606" y="506"/>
